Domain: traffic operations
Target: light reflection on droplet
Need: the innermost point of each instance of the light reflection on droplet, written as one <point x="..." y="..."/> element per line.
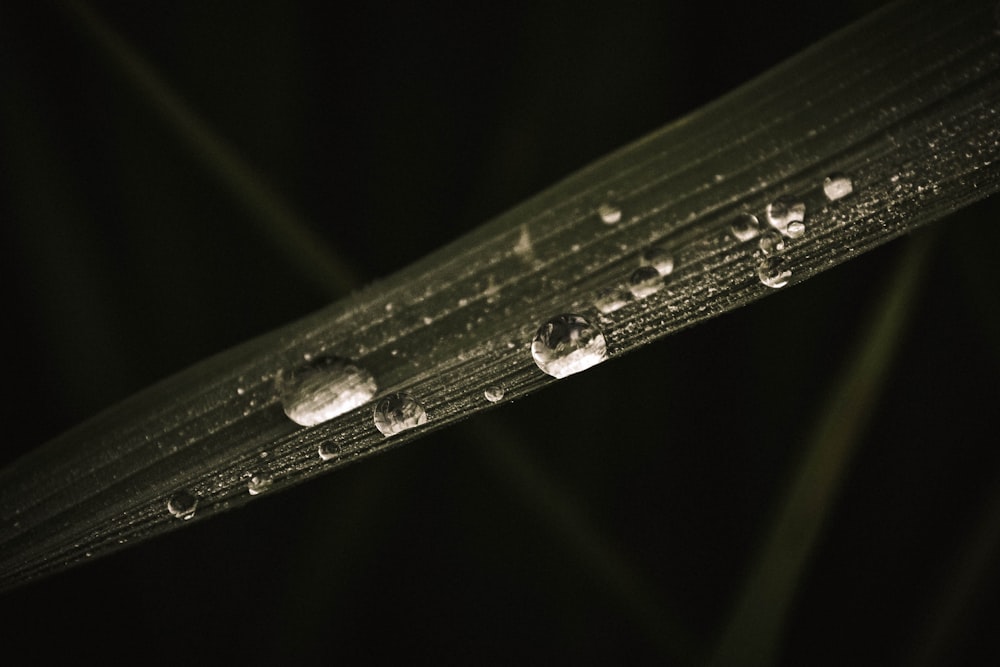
<point x="644" y="281"/>
<point x="398" y="412"/>
<point x="609" y="213"/>
<point x="182" y="505"/>
<point x="324" y="388"/>
<point x="783" y="212"/>
<point x="658" y="258"/>
<point x="837" y="185"/>
<point x="745" y="227"/>
<point x="568" y="344"/>
<point x="773" y="272"/>
<point x="493" y="394"/>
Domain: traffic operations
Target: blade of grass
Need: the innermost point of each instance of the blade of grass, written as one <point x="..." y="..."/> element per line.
<point x="754" y="633"/>
<point x="287" y="230"/>
<point x="905" y="102"/>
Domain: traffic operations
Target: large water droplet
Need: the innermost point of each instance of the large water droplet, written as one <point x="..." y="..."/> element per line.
<point x="644" y="281"/>
<point x="610" y="299"/>
<point x="659" y="259"/>
<point x="258" y="484"/>
<point x="568" y="344"/>
<point x="324" y="388"/>
<point x="182" y="505"/>
<point x="745" y="226"/>
<point x="609" y="213"/>
<point x="398" y="412"/>
<point x="493" y="394"/>
<point x="837" y="185"/>
<point x="773" y="272"/>
<point x="784" y="212"/>
<point x="771" y="242"/>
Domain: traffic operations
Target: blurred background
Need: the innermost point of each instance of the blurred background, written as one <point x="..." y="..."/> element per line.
<point x="612" y="517"/>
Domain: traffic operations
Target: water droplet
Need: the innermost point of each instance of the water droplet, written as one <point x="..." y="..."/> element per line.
<point x="398" y="412"/>
<point x="659" y="259"/>
<point x="568" y="344"/>
<point x="773" y="272"/>
<point x="182" y="505"/>
<point x="327" y="451"/>
<point x="745" y="227"/>
<point x="258" y="484"/>
<point x="493" y="394"/>
<point x="771" y="242"/>
<point x="323" y="389"/>
<point x="610" y="299"/>
<point x="784" y="211"/>
<point x="644" y="281"/>
<point x="609" y="213"/>
<point x="837" y="185"/>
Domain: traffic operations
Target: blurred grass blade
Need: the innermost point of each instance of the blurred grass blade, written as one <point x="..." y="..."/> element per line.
<point x="755" y="631"/>
<point x="568" y="522"/>
<point x="904" y="103"/>
<point x="302" y="247"/>
<point x="964" y="589"/>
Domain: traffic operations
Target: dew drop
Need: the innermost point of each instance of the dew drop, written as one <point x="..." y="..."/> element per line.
<point x="771" y="243"/>
<point x="610" y="299"/>
<point x="182" y="505"/>
<point x="773" y="272"/>
<point x="745" y="227"/>
<point x="568" y="344"/>
<point x="659" y="259"/>
<point x="609" y="213"/>
<point x="783" y="212"/>
<point x="837" y="185"/>
<point x="493" y="394"/>
<point x="258" y="484"/>
<point x="398" y="412"/>
<point x="327" y="451"/>
<point x="644" y="281"/>
<point x="324" y="388"/>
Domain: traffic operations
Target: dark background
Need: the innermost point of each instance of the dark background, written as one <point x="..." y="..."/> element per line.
<point x="392" y="130"/>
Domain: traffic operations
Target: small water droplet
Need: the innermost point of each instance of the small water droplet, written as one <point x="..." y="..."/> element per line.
<point x="784" y="211"/>
<point x="659" y="259"/>
<point x="182" y="505"/>
<point x="610" y="299"/>
<point x="796" y="229"/>
<point x="773" y="272"/>
<point x="327" y="451"/>
<point x="745" y="227"/>
<point x="771" y="242"/>
<point x="493" y="394"/>
<point x="837" y="185"/>
<point x="258" y="484"/>
<point x="568" y="344"/>
<point x="609" y="213"/>
<point x="241" y="391"/>
<point x="644" y="281"/>
<point x="398" y="412"/>
<point x="323" y="389"/>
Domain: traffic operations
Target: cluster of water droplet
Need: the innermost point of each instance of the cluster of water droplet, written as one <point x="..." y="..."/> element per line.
<point x="786" y="221"/>
<point x="327" y="386"/>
